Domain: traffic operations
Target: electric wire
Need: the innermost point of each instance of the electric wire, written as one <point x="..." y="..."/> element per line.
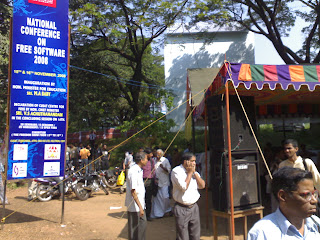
<point x="130" y="81"/>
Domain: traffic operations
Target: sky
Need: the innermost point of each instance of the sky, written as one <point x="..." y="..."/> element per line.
<point x="268" y="54"/>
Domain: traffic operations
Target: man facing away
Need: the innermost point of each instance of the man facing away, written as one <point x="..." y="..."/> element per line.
<point x="84" y="156"/>
<point x="148" y="178"/>
<point x="294" y="190"/>
<point x="186" y="182"/>
<point x="135" y="199"/>
<point x="290" y="147"/>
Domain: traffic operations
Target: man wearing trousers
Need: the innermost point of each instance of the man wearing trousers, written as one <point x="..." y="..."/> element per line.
<point x="186" y="182"/>
<point x="135" y="199"/>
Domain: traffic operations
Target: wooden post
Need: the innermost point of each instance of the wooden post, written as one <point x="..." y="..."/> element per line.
<point x="232" y="229"/>
<point x="206" y="159"/>
<point x="193" y="133"/>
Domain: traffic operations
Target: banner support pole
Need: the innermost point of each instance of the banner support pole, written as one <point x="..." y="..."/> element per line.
<point x="67" y="120"/>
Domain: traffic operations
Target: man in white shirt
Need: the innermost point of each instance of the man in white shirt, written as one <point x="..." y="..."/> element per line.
<point x="127" y="163"/>
<point x="186" y="182"/>
<point x="128" y="160"/>
<point x="135" y="199"/>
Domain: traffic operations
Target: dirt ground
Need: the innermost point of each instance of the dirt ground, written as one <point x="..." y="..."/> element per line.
<point x="100" y="217"/>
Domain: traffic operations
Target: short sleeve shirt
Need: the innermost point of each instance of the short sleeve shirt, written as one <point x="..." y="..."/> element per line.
<point x="180" y="192"/>
<point x="135" y="181"/>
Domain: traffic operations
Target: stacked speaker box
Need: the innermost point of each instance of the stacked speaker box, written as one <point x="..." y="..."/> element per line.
<point x="245" y="158"/>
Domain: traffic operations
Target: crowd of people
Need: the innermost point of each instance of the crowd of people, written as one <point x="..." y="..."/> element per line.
<point x="82" y="156"/>
<point x="294" y="190"/>
<point x="152" y="179"/>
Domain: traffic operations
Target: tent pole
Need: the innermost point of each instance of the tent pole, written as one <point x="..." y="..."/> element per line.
<point x="193" y="132"/>
<point x="206" y="159"/>
<point x="232" y="229"/>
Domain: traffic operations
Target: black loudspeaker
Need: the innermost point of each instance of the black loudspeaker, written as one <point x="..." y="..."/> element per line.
<point x="245" y="167"/>
<point x="240" y="131"/>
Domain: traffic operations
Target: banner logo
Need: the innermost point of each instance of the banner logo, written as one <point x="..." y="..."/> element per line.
<point x="52" y="151"/>
<point x="48" y="3"/>
<point x="19" y="170"/>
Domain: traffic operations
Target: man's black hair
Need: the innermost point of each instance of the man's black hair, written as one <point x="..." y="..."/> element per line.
<point x="139" y="156"/>
<point x="287" y="179"/>
<point x="147" y="150"/>
<point x="187" y="156"/>
<point x="290" y="141"/>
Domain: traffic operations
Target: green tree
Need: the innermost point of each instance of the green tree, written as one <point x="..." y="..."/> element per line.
<point x="125" y="30"/>
<point x="97" y="99"/>
<point x="273" y="19"/>
<point x="5" y="14"/>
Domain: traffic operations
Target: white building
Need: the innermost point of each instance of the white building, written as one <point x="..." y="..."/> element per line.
<point x="186" y="49"/>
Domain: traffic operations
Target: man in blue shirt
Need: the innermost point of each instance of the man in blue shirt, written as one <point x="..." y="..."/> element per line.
<point x="294" y="219"/>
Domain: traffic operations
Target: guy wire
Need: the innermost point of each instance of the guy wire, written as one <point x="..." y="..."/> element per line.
<point x="4" y="218"/>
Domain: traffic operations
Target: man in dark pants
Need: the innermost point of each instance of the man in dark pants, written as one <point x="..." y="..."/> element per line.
<point x="135" y="199"/>
<point x="186" y="182"/>
<point x="148" y="178"/>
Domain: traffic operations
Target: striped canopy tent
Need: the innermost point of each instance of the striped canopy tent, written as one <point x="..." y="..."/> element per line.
<point x="277" y="89"/>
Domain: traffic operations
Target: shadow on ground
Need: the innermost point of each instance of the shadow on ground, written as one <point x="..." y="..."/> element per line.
<point x="19" y="217"/>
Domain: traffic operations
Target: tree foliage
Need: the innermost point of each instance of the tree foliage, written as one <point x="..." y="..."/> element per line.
<point x="123" y="31"/>
<point x="273" y="19"/>
<point x="5" y="14"/>
<point x="96" y="100"/>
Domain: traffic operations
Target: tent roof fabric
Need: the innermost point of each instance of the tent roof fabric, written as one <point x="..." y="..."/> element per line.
<point x="269" y="84"/>
<point x="200" y="79"/>
<point x="285" y="75"/>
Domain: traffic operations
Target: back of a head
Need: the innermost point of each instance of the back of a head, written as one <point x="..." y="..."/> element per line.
<point x="148" y="150"/>
<point x="139" y="156"/>
<point x="287" y="179"/>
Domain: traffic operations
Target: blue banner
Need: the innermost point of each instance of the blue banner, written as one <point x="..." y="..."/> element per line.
<point x="39" y="89"/>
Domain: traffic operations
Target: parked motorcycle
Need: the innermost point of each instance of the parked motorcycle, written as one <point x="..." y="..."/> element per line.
<point x="88" y="184"/>
<point x="47" y="188"/>
<point x="111" y="177"/>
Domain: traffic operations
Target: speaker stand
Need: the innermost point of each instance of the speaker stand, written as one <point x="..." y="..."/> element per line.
<point x="237" y="214"/>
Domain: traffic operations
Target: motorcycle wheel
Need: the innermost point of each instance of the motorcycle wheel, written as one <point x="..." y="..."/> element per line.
<point x="111" y="182"/>
<point x="43" y="193"/>
<point x="105" y="190"/>
<point x="80" y="192"/>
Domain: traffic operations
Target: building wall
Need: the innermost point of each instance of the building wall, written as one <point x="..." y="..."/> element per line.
<point x="194" y="50"/>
